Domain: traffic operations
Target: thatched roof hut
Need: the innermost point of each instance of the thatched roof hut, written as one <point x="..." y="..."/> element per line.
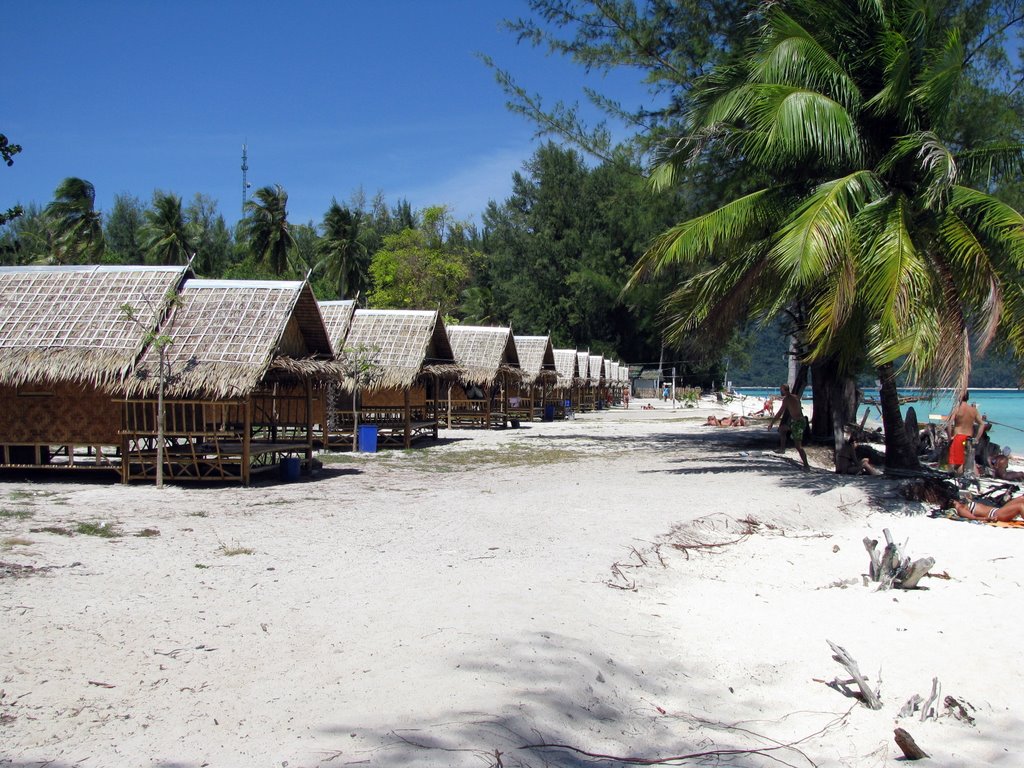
<point x="597" y="372"/>
<point x="536" y="358"/>
<point x="405" y="344"/>
<point x="484" y="352"/>
<point x="583" y="363"/>
<point x="68" y="324"/>
<point x="229" y="336"/>
<point x="567" y="367"/>
<point x="338" y="319"/>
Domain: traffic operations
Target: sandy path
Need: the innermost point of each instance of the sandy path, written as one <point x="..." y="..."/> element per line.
<point x="433" y="606"/>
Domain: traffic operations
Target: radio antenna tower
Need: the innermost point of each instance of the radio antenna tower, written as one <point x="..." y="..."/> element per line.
<point x="245" y="183"/>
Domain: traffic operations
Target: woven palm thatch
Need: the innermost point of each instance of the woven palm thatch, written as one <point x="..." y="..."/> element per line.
<point x="338" y="319"/>
<point x="404" y="344"/>
<point x="67" y="324"/>
<point x="612" y="371"/>
<point x="536" y="357"/>
<point x="597" y="373"/>
<point x="227" y="335"/>
<point x="484" y="352"/>
<point x="567" y="366"/>
<point x="583" y="362"/>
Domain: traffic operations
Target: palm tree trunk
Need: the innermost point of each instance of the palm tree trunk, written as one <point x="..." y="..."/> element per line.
<point x="899" y="453"/>
<point x="835" y="402"/>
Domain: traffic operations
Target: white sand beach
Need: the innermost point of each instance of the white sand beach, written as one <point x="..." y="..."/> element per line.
<point x="629" y="584"/>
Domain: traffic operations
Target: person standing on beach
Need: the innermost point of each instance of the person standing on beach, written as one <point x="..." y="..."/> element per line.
<point x="791" y="422"/>
<point x="965" y="421"/>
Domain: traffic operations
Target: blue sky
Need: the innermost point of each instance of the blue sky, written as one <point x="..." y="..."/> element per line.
<point x="331" y="96"/>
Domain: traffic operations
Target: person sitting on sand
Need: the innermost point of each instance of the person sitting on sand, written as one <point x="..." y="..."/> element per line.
<point x="791" y="423"/>
<point x="850" y="462"/>
<point x="767" y="409"/>
<point x="976" y="510"/>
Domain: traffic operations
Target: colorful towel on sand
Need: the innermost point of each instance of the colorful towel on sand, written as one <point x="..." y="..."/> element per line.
<point x="950" y="514"/>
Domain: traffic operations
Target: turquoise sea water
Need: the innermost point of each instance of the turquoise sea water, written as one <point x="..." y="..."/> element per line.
<point x="1004" y="408"/>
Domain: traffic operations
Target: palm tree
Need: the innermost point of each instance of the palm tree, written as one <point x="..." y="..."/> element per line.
<point x="77" y="225"/>
<point x="166" y="238"/>
<point x="342" y="250"/>
<point x="266" y="227"/>
<point x="863" y="221"/>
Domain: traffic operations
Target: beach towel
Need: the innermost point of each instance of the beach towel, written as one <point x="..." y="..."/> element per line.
<point x="950" y="514"/>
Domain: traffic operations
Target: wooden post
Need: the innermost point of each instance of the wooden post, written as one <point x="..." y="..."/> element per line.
<point x="309" y="426"/>
<point x="408" y="418"/>
<point x="246" y="438"/>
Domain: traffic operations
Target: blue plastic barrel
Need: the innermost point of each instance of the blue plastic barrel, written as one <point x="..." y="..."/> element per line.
<point x="368" y="438"/>
<point x="549" y="413"/>
<point x="290" y="467"/>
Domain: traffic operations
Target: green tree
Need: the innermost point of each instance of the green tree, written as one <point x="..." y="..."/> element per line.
<point x="166" y="238"/>
<point x="122" y="230"/>
<point x="419" y="268"/>
<point x="343" y="254"/>
<point x="208" y="235"/>
<point x="265" y="227"/>
<point x="77" y="225"/>
<point x="862" y="221"/>
<point x="7" y="153"/>
<point x="27" y="239"/>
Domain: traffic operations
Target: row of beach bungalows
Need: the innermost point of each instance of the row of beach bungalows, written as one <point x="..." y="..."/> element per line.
<point x="245" y="375"/>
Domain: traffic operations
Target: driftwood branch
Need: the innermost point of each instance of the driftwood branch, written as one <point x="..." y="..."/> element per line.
<point x="866" y="695"/>
<point x="931" y="706"/>
<point x="907" y="744"/>
<point x="892" y="568"/>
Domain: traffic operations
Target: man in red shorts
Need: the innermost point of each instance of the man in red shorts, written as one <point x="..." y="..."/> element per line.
<point x="963" y="420"/>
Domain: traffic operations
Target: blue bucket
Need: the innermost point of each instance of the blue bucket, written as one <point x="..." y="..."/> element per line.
<point x="290" y="467"/>
<point x="368" y="438"/>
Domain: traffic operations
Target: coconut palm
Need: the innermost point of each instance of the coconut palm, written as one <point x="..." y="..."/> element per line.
<point x="342" y="250"/>
<point x="863" y="219"/>
<point x="166" y="237"/>
<point x="77" y="225"/>
<point x="266" y="227"/>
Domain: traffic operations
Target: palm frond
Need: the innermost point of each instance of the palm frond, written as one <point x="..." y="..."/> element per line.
<point x="938" y="82"/>
<point x="997" y="224"/>
<point x="718" y="231"/>
<point x="793" y="56"/>
<point x="819" y="233"/>
<point x="892" y="273"/>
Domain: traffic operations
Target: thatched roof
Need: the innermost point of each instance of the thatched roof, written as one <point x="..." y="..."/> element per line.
<point x="612" y="371"/>
<point x="536" y="357"/>
<point x="338" y="319"/>
<point x="227" y="335"/>
<point x="67" y="324"/>
<point x="484" y="352"/>
<point x="583" y="363"/>
<point x="567" y="365"/>
<point x="597" y="372"/>
<point x="404" y="344"/>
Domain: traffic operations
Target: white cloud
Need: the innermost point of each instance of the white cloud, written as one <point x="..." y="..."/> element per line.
<point x="467" y="189"/>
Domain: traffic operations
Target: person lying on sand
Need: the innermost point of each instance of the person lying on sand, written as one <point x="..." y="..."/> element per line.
<point x="976" y="510"/>
<point x="728" y="421"/>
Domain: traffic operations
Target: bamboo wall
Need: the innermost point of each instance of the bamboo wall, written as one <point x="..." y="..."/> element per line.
<point x="59" y="414"/>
